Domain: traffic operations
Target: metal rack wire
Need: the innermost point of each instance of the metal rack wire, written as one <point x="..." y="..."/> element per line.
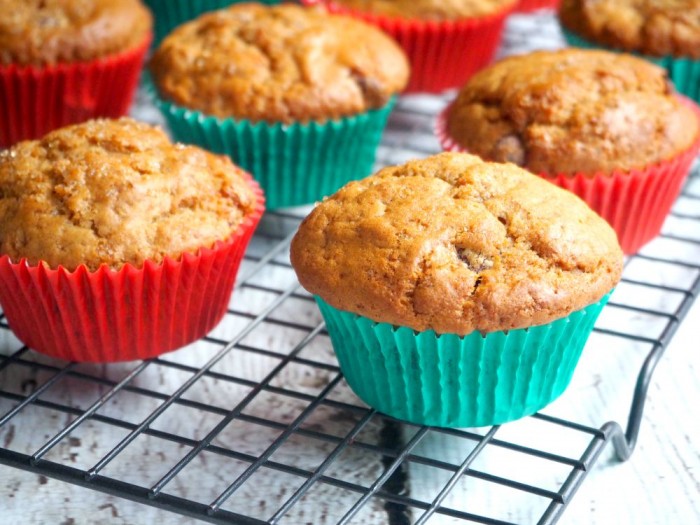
<point x="272" y="351"/>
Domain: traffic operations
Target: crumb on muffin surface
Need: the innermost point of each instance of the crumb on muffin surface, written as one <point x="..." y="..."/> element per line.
<point x="454" y="244"/>
<point x="115" y="192"/>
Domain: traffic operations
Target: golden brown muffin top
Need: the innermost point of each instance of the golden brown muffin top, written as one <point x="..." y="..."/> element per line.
<point x="455" y="244"/>
<point x="651" y="27"/>
<point x="428" y="9"/>
<point x="41" y="32"/>
<point x="279" y="64"/>
<point x="572" y="111"/>
<point x="115" y="192"/>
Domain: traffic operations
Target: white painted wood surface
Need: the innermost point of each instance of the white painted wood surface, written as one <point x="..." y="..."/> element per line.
<point x="660" y="485"/>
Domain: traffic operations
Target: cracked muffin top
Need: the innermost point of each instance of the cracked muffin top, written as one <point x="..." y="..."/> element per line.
<point x="278" y="64"/>
<point x="572" y="111"/>
<point x="427" y="9"/>
<point x="115" y="192"/>
<point x="651" y="27"/>
<point x="41" y="32"/>
<point x="455" y="244"/>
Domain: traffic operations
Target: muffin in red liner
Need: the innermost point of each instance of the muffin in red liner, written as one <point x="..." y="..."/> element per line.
<point x="132" y="313"/>
<point x="136" y="311"/>
<point x="528" y="6"/>
<point x="66" y="62"/>
<point x="610" y="127"/>
<point x="634" y="202"/>
<point x="38" y="99"/>
<point x="443" y="53"/>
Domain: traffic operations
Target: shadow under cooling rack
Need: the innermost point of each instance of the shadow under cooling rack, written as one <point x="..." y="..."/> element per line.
<point x="255" y="424"/>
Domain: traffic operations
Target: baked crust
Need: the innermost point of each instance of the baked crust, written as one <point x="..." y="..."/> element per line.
<point x="455" y="244"/>
<point x="115" y="192"/>
<point x="572" y="111"/>
<point x="278" y="64"/>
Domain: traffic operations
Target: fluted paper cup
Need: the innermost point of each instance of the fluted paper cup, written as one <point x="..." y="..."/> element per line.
<point x="298" y="163"/>
<point x="39" y="99"/>
<point x="452" y="381"/>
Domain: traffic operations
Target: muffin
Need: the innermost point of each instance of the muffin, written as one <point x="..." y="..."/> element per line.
<point x="116" y="244"/>
<point x="666" y="32"/>
<point x="446" y="41"/>
<point x="457" y="292"/>
<point x="607" y="126"/>
<point x="67" y="61"/>
<point x="168" y="14"/>
<point x="298" y="97"/>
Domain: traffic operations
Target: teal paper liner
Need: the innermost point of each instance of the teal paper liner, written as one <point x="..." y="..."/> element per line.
<point x="452" y="381"/>
<point x="168" y="14"/>
<point x="684" y="72"/>
<point x="295" y="164"/>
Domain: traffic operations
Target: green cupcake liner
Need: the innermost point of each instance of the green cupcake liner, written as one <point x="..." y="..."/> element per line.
<point x="295" y="164"/>
<point x="168" y="14"/>
<point x="452" y="381"/>
<point x="684" y="72"/>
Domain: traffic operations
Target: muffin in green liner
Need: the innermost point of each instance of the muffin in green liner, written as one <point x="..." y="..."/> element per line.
<point x="169" y="14"/>
<point x="297" y="97"/>
<point x="295" y="164"/>
<point x="684" y="72"/>
<point x="450" y="381"/>
<point x="457" y="292"/>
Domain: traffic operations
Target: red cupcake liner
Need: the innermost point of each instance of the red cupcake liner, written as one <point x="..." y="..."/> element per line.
<point x="443" y="55"/>
<point x="634" y="202"/>
<point x="127" y="314"/>
<point x="528" y="6"/>
<point x="39" y="99"/>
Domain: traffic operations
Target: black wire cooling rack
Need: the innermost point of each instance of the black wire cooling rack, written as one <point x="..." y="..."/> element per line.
<point x="255" y="424"/>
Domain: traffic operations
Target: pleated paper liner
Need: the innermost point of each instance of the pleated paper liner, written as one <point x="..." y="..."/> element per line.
<point x="452" y="381"/>
<point x="634" y="202"/>
<point x="684" y="72"/>
<point x="168" y="14"/>
<point x="124" y="315"/>
<point x="528" y="6"/>
<point x="295" y="164"/>
<point x="39" y="99"/>
<point x="443" y="55"/>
